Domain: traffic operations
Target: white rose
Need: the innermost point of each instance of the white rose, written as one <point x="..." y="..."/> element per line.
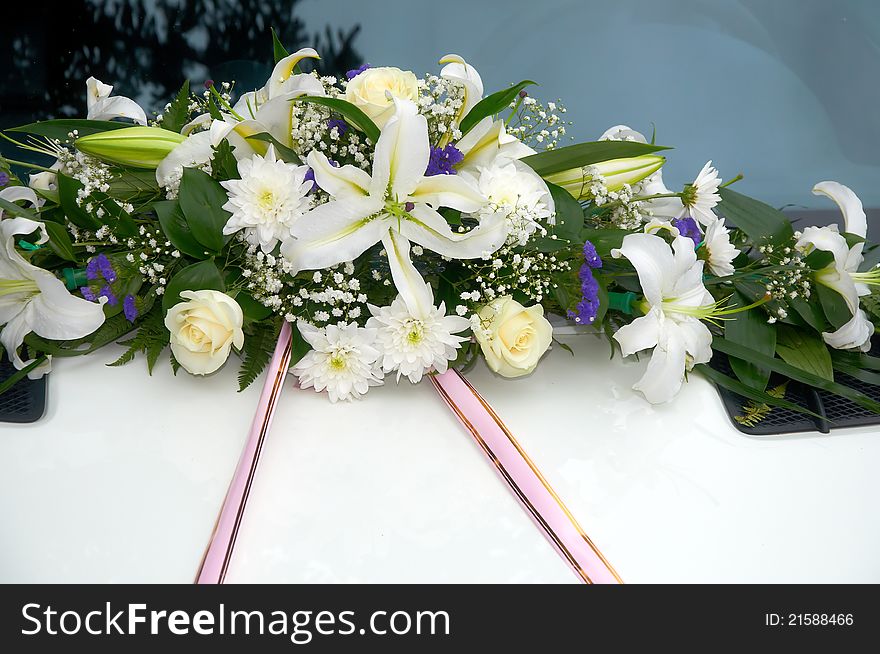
<point x="203" y="330"/>
<point x="367" y="91"/>
<point x="513" y="338"/>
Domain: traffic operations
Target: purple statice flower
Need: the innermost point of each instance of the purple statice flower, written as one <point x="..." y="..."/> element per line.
<point x="129" y="308"/>
<point x="588" y="308"/>
<point x="443" y="161"/>
<point x="354" y="72"/>
<point x="591" y="256"/>
<point x="100" y="266"/>
<point x="688" y="227"/>
<point x="4" y="179"/>
<point x="310" y="177"/>
<point x="88" y="294"/>
<point x="106" y="292"/>
<point x="340" y="125"/>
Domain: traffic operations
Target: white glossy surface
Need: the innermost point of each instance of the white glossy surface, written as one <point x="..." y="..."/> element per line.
<point x="122" y="479"/>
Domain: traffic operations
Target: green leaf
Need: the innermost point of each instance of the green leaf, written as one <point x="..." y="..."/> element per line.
<point x="833" y="304"/>
<point x="223" y="164"/>
<point x="152" y="337"/>
<point x="805" y="350"/>
<point x="11" y="207"/>
<point x="761" y="222"/>
<point x="284" y="153"/>
<point x="59" y="129"/>
<point x="569" y="214"/>
<point x="253" y="311"/>
<point x="278" y="50"/>
<point x="201" y="200"/>
<point x="818" y="259"/>
<point x="119" y="220"/>
<point x="748" y="392"/>
<point x="59" y="241"/>
<point x="750" y="328"/>
<point x="809" y="312"/>
<point x="300" y="347"/>
<point x="583" y="154"/>
<point x="113" y="328"/>
<point x="742" y="352"/>
<point x="491" y="105"/>
<point x="198" y="276"/>
<point x="857" y="373"/>
<point x="256" y="352"/>
<point x="68" y="188"/>
<point x="177" y="229"/>
<point x="855" y="359"/>
<point x="18" y="375"/>
<point x="177" y="115"/>
<point x="352" y="114"/>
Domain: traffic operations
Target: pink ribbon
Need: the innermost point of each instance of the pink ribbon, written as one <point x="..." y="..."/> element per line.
<point x="525" y="480"/>
<point x="511" y="462"/>
<point x="217" y="556"/>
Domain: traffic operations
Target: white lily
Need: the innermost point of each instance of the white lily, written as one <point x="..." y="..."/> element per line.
<point x="488" y="141"/>
<point x="102" y="106"/>
<point x="842" y="273"/>
<point x="675" y="301"/>
<point x="32" y="299"/>
<point x="394" y="206"/>
<point x="268" y="109"/>
<point x="460" y="71"/>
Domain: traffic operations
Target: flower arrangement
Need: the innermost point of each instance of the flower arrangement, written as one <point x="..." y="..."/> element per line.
<point x="405" y="225"/>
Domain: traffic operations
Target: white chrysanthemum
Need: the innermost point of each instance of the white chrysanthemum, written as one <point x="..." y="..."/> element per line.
<point x="519" y="194"/>
<point x="719" y="248"/>
<point x="701" y="197"/>
<point x="413" y="345"/>
<point x="268" y="199"/>
<point x="342" y="361"/>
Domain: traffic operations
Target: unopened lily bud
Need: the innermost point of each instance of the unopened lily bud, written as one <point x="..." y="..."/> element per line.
<point x="613" y="173"/>
<point x="137" y="147"/>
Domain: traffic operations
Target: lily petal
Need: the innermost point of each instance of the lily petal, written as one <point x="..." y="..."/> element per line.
<point x="665" y="373"/>
<point x="402" y="152"/>
<point x="409" y="283"/>
<point x="194" y="151"/>
<point x="458" y="70"/>
<point x="448" y="191"/>
<point x="429" y="229"/>
<point x="855" y="334"/>
<point x="284" y="69"/>
<point x="854" y="219"/>
<point x="334" y="232"/>
<point x="345" y="182"/>
<point x="641" y="334"/>
<point x="117" y="107"/>
<point x="653" y="261"/>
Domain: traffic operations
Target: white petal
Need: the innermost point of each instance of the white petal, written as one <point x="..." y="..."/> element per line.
<point x="334" y="232"/>
<point x="459" y="70"/>
<point x="663" y="378"/>
<point x="402" y="152"/>
<point x="653" y="261"/>
<point x="854" y="219"/>
<point x="409" y="283"/>
<point x="827" y="239"/>
<point x="854" y="334"/>
<point x="344" y="182"/>
<point x="622" y="133"/>
<point x="195" y="151"/>
<point x="17" y="193"/>
<point x="58" y="315"/>
<point x="448" y="191"/>
<point x="641" y="334"/>
<point x="12" y="336"/>
<point x="117" y="107"/>
<point x="284" y="69"/>
<point x="431" y="230"/>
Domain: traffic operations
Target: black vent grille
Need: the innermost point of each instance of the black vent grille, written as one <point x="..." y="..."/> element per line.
<point x="838" y="411"/>
<point x="25" y="401"/>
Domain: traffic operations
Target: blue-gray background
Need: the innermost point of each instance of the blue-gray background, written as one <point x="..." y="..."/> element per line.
<point x="785" y="91"/>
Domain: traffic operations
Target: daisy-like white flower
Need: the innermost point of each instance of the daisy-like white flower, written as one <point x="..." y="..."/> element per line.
<point x="721" y="252"/>
<point x="518" y="194"/>
<point x="414" y="344"/>
<point x="701" y="197"/>
<point x="343" y="361"/>
<point x="268" y="199"/>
